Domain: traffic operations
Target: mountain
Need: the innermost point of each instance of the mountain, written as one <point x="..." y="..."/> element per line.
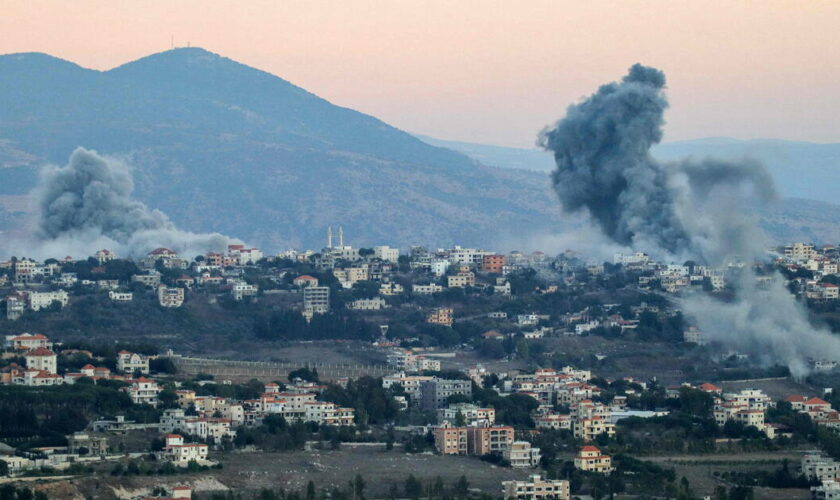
<point x="801" y="169"/>
<point x="499" y="156"/>
<point x="221" y="146"/>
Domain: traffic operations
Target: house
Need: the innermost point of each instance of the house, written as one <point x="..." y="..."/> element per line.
<point x="143" y="391"/>
<point x="42" y="359"/>
<point x="373" y="304"/>
<point x="521" y="454"/>
<point x="178" y="452"/>
<point x="120" y="296"/>
<point x="536" y="488"/>
<point x="85" y="443"/>
<point x="460" y="280"/>
<point x="130" y="362"/>
<point x="170" y="297"/>
<point x="304" y="281"/>
<point x="27" y="341"/>
<point x="470" y="413"/>
<point x="41" y="300"/>
<point x="590" y="459"/>
<point x="440" y="316"/>
<point x="426" y="289"/>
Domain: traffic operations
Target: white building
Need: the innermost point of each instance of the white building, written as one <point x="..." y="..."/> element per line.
<point x="129" y="362"/>
<point x="387" y="253"/>
<point x="40" y="300"/>
<point x="536" y="488"/>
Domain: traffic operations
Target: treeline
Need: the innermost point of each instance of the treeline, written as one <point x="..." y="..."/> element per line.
<point x="291" y="325"/>
<point x="43" y="416"/>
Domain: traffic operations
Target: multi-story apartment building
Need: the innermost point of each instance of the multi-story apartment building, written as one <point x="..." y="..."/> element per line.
<point x="435" y="392"/>
<point x="536" y="488"/>
<point x="41" y="359"/>
<point x="473" y="440"/>
<point x="316" y="299"/>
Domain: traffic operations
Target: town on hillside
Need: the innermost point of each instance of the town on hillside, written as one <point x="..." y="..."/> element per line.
<point x="450" y="373"/>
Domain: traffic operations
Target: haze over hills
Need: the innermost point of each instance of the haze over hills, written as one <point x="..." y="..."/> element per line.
<point x="801" y="169"/>
<point x="220" y="146"/>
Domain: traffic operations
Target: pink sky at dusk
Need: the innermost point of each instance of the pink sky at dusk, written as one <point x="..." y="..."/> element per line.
<point x="486" y="71"/>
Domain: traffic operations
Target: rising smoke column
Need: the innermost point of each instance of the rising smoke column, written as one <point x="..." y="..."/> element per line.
<point x="87" y="205"/>
<point x="686" y="210"/>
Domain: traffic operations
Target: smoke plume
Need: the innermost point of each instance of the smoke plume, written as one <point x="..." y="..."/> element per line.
<point x="684" y="210"/>
<point x="87" y="205"/>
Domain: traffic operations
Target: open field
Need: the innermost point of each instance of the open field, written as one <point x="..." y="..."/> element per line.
<point x="293" y="470"/>
<point x="700" y="470"/>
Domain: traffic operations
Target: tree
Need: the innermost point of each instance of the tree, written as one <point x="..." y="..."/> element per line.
<point x="310" y="491"/>
<point x="359" y="486"/>
<point x="413" y="487"/>
<point x="460" y="421"/>
<point x="438" y="488"/>
<point x="462" y="487"/>
<point x="4" y="468"/>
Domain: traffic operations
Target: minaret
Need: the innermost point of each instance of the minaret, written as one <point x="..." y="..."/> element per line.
<point x="340" y="236"/>
<point x="329" y="236"/>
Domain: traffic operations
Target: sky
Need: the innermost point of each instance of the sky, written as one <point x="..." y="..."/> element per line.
<point x="493" y="72"/>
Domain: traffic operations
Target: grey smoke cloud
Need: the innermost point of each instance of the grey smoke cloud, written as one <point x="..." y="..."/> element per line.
<point x="88" y="205"/>
<point x="696" y="210"/>
<point x="604" y="167"/>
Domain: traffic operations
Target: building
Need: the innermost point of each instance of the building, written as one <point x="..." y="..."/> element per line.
<point x="40" y="300"/>
<point x="435" y="392"/>
<point x="521" y="454"/>
<point x="829" y="489"/>
<point x="816" y="467"/>
<point x="440" y="316"/>
<point x="120" y="296"/>
<point x="85" y="443"/>
<point x="241" y="290"/>
<point x="130" y="362"/>
<point x="387" y="253"/>
<point x="15" y="307"/>
<point x="178" y="452"/>
<point x="493" y="263"/>
<point x="460" y="280"/>
<point x="589" y="428"/>
<point x="486" y="440"/>
<point x="590" y="459"/>
<point x="536" y="488"/>
<point x="27" y="341"/>
<point x="143" y="391"/>
<point x="170" y="297"/>
<point x="426" y="289"/>
<point x="316" y="299"/>
<point x="304" y="281"/>
<point x="42" y="359"/>
<point x="694" y="335"/>
<point x="471" y="414"/>
<point x="373" y="304"/>
<point x="473" y="440"/>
